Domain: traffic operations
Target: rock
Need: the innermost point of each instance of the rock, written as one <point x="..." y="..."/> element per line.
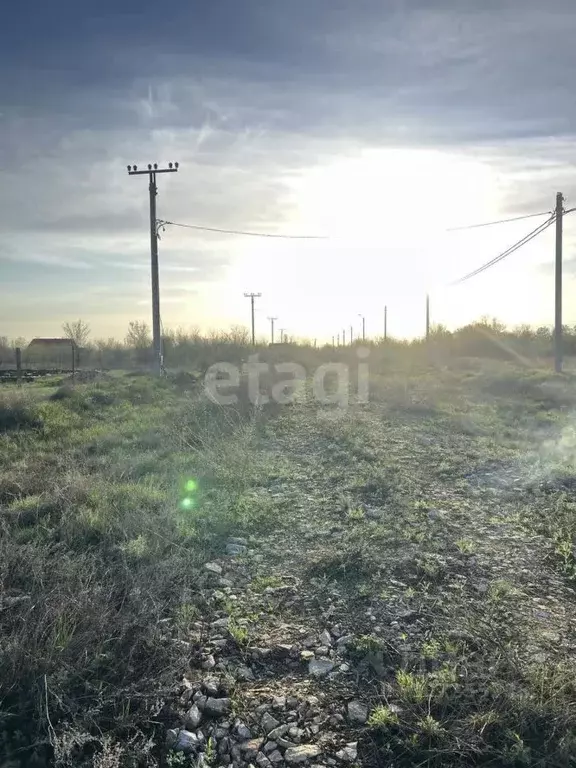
<point x="235" y="550"/>
<point x="193" y="717"/>
<point x="326" y="638"/>
<point x="224" y="746"/>
<point x="349" y="753"/>
<point x="262" y="761"/>
<point x="225" y="583"/>
<point x="182" y="741"/>
<point x="243" y="732"/>
<point x="279" y="702"/>
<point x="357" y="712"/>
<point x="250" y="748"/>
<point x="295" y="734"/>
<point x="211" y="686"/>
<point x="345" y="640"/>
<point x="322" y="650"/>
<point x="297" y="755"/>
<point x="209" y="662"/>
<point x="285" y="743"/>
<point x="238" y="540"/>
<point x="292" y="702"/>
<point x="320" y="667"/>
<point x="200" y="700"/>
<point x="213" y="568"/>
<point x="270" y="746"/>
<point x="221" y="731"/>
<point x="217" y="707"/>
<point x="344" y="668"/>
<point x="307" y="655"/>
<point x="269" y="723"/>
<point x="244" y="673"/>
<point x="221" y="623"/>
<point x="275" y="757"/>
<point x="277" y="733"/>
<point x="283" y="649"/>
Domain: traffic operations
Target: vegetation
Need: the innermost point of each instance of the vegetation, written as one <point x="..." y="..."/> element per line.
<point x="435" y="526"/>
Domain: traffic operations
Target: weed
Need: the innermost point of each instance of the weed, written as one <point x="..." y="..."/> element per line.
<point x="382" y="717"/>
<point x="465" y="546"/>
<point x="413" y="688"/>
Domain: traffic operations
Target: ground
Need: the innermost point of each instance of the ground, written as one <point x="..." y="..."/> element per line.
<point x="387" y="584"/>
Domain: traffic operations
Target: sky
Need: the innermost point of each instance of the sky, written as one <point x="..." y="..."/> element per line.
<point x="374" y="126"/>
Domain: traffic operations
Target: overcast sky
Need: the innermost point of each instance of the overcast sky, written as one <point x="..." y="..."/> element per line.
<point x="375" y="124"/>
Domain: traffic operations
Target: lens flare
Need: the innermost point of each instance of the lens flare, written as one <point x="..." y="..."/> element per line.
<point x="191" y="486"/>
<point x="187" y="503"/>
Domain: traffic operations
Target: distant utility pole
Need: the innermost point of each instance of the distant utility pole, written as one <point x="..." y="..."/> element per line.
<point x="338" y="339"/>
<point x="363" y="327"/>
<point x="282" y="335"/>
<point x="385" y="323"/>
<point x="333" y="341"/>
<point x="558" y="352"/>
<point x="344" y="338"/>
<point x="253" y="296"/>
<point x="427" y="316"/>
<point x="152" y="170"/>
<point x="272" y="328"/>
<point x="351" y="335"/>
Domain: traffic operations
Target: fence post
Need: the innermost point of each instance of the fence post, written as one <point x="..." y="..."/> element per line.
<point x="73" y="360"/>
<point x="19" y="366"/>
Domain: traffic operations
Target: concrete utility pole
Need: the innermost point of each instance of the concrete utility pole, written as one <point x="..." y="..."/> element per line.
<point x="152" y="170"/>
<point x="253" y="296"/>
<point x="363" y="327"/>
<point x="385" y="323"/>
<point x="272" y="328"/>
<point x="427" y="316"/>
<point x="558" y="351"/>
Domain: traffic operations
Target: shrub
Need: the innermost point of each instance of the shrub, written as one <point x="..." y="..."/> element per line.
<point x="17" y="412"/>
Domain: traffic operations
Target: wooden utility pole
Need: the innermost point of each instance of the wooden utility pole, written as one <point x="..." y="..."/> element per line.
<point x="272" y="319"/>
<point x="152" y="170"/>
<point x="558" y="351"/>
<point x="253" y="296"/>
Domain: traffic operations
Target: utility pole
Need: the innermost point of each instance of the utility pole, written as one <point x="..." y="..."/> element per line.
<point x="152" y="170"/>
<point x="344" y="338"/>
<point x="338" y="340"/>
<point x="427" y="317"/>
<point x="558" y="351"/>
<point x="351" y="335"/>
<point x="363" y="327"/>
<point x="385" y="323"/>
<point x="333" y="341"/>
<point x="282" y="335"/>
<point x="253" y="296"/>
<point x="272" y="328"/>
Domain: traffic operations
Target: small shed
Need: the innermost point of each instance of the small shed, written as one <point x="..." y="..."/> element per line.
<point x="51" y="353"/>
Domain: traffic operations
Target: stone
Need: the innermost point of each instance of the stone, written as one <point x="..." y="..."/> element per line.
<point x="302" y="753"/>
<point x="345" y="640"/>
<point x="349" y="754"/>
<point x="326" y="638"/>
<point x="211" y="686"/>
<point x="269" y="723"/>
<point x="234" y="550"/>
<point x="244" y="673"/>
<point x="320" y="667"/>
<point x="200" y="700"/>
<point x="243" y="732"/>
<point x="275" y="757"/>
<point x="357" y="712"/>
<point x="278" y="732"/>
<point x="292" y="702"/>
<point x="283" y="650"/>
<point x="224" y="746"/>
<point x="213" y="568"/>
<point x="209" y="662"/>
<point x="182" y="741"/>
<point x="262" y="761"/>
<point x="322" y="650"/>
<point x="250" y="748"/>
<point x="217" y="707"/>
<point x="221" y="623"/>
<point x="193" y="717"/>
<point x="270" y="746"/>
<point x="279" y="702"/>
<point x="307" y="655"/>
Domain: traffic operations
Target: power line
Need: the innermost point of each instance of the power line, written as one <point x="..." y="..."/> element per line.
<point x="500" y="221"/>
<point x="242" y="232"/>
<point x="508" y="252"/>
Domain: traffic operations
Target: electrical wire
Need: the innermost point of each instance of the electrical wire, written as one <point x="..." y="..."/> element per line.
<point x="508" y="252"/>
<point x="500" y="221"/>
<point x="242" y="232"/>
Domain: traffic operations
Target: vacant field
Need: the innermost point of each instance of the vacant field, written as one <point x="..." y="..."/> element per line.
<point x="390" y="584"/>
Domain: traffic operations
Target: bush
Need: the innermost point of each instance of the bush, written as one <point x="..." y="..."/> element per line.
<point x="17" y="412"/>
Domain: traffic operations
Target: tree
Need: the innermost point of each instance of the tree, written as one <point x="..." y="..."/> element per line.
<point x="138" y="335"/>
<point x="78" y="332"/>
